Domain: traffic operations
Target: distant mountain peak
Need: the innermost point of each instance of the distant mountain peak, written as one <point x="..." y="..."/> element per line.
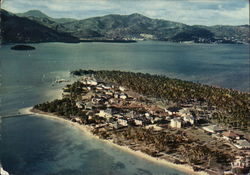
<point x="133" y="15"/>
<point x="136" y="14"/>
<point x="16" y="29"/>
<point x="34" y="13"/>
<point x="38" y="15"/>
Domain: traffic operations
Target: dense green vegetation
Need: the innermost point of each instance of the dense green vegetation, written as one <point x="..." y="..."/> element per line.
<point x="168" y="142"/>
<point x="234" y="106"/>
<point x="16" y="29"/>
<point x="193" y="35"/>
<point x="64" y="107"/>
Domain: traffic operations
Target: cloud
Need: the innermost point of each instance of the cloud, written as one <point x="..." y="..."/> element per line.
<point x="204" y="12"/>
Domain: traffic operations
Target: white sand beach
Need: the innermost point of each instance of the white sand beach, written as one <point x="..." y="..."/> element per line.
<point x="87" y="131"/>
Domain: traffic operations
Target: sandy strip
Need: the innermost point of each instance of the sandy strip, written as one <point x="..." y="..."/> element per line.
<point x="87" y="130"/>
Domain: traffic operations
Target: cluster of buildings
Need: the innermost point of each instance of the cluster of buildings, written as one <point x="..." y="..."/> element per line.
<point x="230" y="136"/>
<point x="182" y="117"/>
<point x="118" y="107"/>
<point x="241" y="165"/>
<point x="113" y="106"/>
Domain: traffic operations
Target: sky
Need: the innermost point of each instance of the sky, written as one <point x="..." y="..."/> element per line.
<point x="192" y="12"/>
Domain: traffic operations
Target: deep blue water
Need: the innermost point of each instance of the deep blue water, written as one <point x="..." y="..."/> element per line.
<point x="34" y="145"/>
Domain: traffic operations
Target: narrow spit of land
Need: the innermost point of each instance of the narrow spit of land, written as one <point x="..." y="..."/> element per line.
<point x="192" y="125"/>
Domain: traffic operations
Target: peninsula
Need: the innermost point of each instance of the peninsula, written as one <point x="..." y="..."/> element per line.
<point x="189" y="124"/>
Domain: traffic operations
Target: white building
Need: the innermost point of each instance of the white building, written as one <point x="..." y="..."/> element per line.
<point x="189" y="119"/>
<point x="121" y="88"/>
<point x="122" y="122"/>
<point x="109" y="93"/>
<point x="78" y="120"/>
<point x="154" y="127"/>
<point x="105" y="114"/>
<point x="106" y="87"/>
<point x="147" y="36"/>
<point x="116" y="95"/>
<point x="123" y="96"/>
<point x="184" y="112"/>
<point x="138" y="122"/>
<point x="241" y="162"/>
<point x="91" y="82"/>
<point x="169" y="112"/>
<point x="175" y="123"/>
<point x="79" y="104"/>
<point x="212" y="128"/>
<point x="242" y="144"/>
<point x="118" y="116"/>
<point x="148" y="116"/>
<point x="156" y="119"/>
<point x="99" y="87"/>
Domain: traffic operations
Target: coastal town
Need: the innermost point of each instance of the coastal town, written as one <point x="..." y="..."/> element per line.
<point x="182" y="133"/>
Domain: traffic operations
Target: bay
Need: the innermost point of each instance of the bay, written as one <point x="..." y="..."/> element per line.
<point x="34" y="145"/>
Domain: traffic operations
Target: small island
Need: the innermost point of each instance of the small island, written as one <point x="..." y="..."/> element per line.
<point x="188" y="124"/>
<point x="22" y="47"/>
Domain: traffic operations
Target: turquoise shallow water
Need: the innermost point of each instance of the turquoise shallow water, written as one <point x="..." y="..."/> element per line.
<point x="40" y="146"/>
<point x="34" y="145"/>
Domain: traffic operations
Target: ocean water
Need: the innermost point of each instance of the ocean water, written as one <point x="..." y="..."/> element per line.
<point x="35" y="145"/>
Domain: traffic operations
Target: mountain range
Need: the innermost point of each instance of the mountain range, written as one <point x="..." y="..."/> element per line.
<point x="35" y="26"/>
<point x="15" y="29"/>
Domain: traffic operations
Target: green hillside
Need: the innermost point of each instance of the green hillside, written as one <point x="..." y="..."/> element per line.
<point x="16" y="29"/>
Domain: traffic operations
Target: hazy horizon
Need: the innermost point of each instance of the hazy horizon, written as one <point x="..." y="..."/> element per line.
<point x="191" y="12"/>
<point x="117" y="14"/>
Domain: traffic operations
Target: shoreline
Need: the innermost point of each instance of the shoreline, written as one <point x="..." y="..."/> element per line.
<point x="86" y="129"/>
